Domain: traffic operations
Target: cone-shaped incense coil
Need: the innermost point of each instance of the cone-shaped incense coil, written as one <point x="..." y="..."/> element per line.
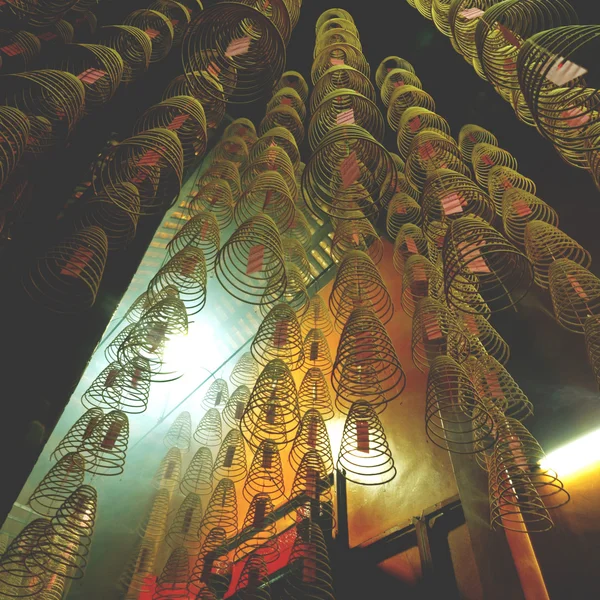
<point x="265" y="154"/>
<point x="283" y="116"/>
<point x="143" y="303"/>
<point x="80" y="431"/>
<point x="314" y="394"/>
<point x="231" y="459"/>
<point x="397" y="78"/>
<point x="172" y="582"/>
<point x="200" y="232"/>
<point x="14" y="132"/>
<point x="221" y="510"/>
<point x="470" y="135"/>
<point x="245" y="371"/>
<point x="401" y="209"/>
<point x="231" y="148"/>
<point x="259" y="532"/>
<point x="27" y="46"/>
<point x="273" y="158"/>
<point x="501" y="179"/>
<point x="341" y="77"/>
<point x="180" y="433"/>
<point x="234" y="409"/>
<point x="197" y="478"/>
<point x="389" y="63"/>
<point x="295" y="295"/>
<point x="404" y="97"/>
<point x="317" y="316"/>
<point x="316" y="352"/>
<point x="217" y="395"/>
<point x="140" y="566"/>
<point x="178" y="15"/>
<point x="169" y="471"/>
<point x="485" y="156"/>
<point x="410" y="240"/>
<point x="287" y="96"/>
<point x="184" y="528"/>
<point x="421" y="279"/>
<point x="294" y="80"/>
<point x="243" y="128"/>
<point x="212" y="569"/>
<point x="414" y="120"/>
<point x="154" y="525"/>
<point x="335" y="54"/>
<point x="294" y="253"/>
<point x="483" y="338"/>
<point x="213" y="197"/>
<point x="265" y="474"/>
<point x="133" y="45"/>
<point x="105" y="449"/>
<point x="300" y="230"/>
<point x="356" y="234"/>
<point x="158" y="27"/>
<point x="253" y="583"/>
<point x="312" y="435"/>
<point x="208" y="431"/>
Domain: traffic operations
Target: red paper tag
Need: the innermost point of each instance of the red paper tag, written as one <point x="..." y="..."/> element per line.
<point x="152" y="33"/>
<point x="112" y="435"/>
<point x="280" y="335"/>
<point x="577" y="287"/>
<point x="399" y="83"/>
<point x="213" y="69"/>
<point x="260" y="510"/>
<point x="267" y="458"/>
<point x="187" y="520"/>
<point x="255" y="259"/>
<point x="188" y="264"/>
<point x="576" y="117"/>
<point x="494" y="387"/>
<point x="337" y="61"/>
<point x="414" y="124"/>
<point x="169" y="470"/>
<point x="521" y="207"/>
<point x="91" y="75"/>
<point x="78" y="261"/>
<point x="268" y="197"/>
<point x="362" y="437"/>
<point x="312" y="434"/>
<point x="401" y="210"/>
<point x="204" y="230"/>
<point x="509" y="64"/>
<point x="271" y="411"/>
<point x="314" y="350"/>
<point x="506" y="183"/>
<point x="12" y="49"/>
<point x="149" y="158"/>
<point x="509" y="36"/>
<point x="135" y="378"/>
<point x="471" y="13"/>
<point x="427" y="151"/>
<point x="229" y="454"/>
<point x="432" y="329"/>
<point x="238" y="46"/>
<point x="312" y="479"/>
<point x="419" y="273"/>
<point x="472" y="254"/>
<point x="345" y="118"/>
<point x="287" y="101"/>
<point x="349" y="170"/>
<point x="309" y="564"/>
<point x="410" y="245"/>
<point x="90" y="427"/>
<point x="177" y="122"/>
<point x="487" y="160"/>
<point x="239" y="410"/>
<point x="471" y="324"/>
<point x="452" y="203"/>
<point x="110" y="378"/>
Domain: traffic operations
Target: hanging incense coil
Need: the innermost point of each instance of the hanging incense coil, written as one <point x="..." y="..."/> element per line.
<point x="182" y="115"/>
<point x="272" y="159"/>
<point x="404" y="97"/>
<point x="295" y="295"/>
<point x="36" y="14"/>
<point x="58" y="33"/>
<point x="177" y="14"/>
<point x="251" y="262"/>
<point x="317" y="316"/>
<point x="338" y="181"/>
<point x="221" y="510"/>
<point x="65" y="544"/>
<point x="486" y="156"/>
<point x="200" y="232"/>
<point x="365" y="456"/>
<point x="54" y="586"/>
<point x="312" y="436"/>
<point x="272" y="409"/>
<point x="58" y="483"/>
<point x="478" y="259"/>
<point x="140" y="566"/>
<point x="245" y="371"/>
<point x="484" y="339"/>
<point x="84" y="23"/>
<point x="283" y="116"/>
<point x="359" y="284"/>
<point x="193" y="6"/>
<point x="180" y="432"/>
<point x="212" y="569"/>
<point x="216" y="396"/>
<point x="316" y="352"/>
<point x="500" y="179"/>
<point x="241" y="128"/>
<point x="172" y="582"/>
<point x="401" y="209"/>
<point x="332" y="14"/>
<point x="14" y="133"/>
<point x="388" y="64"/>
<point x="214" y="198"/>
<point x="231" y="459"/>
<point x="341" y="77"/>
<point x="265" y="475"/>
<point x="295" y="81"/>
<point x="338" y="54"/>
<point x="395" y="79"/>
<point x="399" y="162"/>
<point x="232" y="149"/>
<point x="158" y="28"/>
<point x="404" y="186"/>
<point x="421" y="279"/>
<point x="414" y="120"/>
<point x="294" y="254"/>
<point x="79" y="432"/>
<point x="208" y="431"/>
<point x="462" y="29"/>
<point x="105" y="449"/>
<point x="254" y="52"/>
<point x="152" y="161"/>
<point x="314" y="394"/>
<point x="434" y="331"/>
<point x="545" y="243"/>
<point x="591" y="329"/>
<point x="409" y="241"/>
<point x="470" y="135"/>
<point x="287" y="96"/>
<point x="224" y="171"/>
<point x="456" y="419"/>
<point x="154" y="525"/>
<point x="169" y="471"/>
<point x="234" y="409"/>
<point x="253" y="583"/>
<point x="184" y="528"/>
<point x="575" y="294"/>
<point x="300" y="230"/>
<point x="133" y="45"/>
<point x="19" y="49"/>
<point x="262" y="151"/>
<point x="336" y="35"/>
<point x="197" y="478"/>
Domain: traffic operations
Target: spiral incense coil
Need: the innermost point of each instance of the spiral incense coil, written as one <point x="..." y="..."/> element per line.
<point x="395" y="79"/>
<point x="401" y="209"/>
<point x="424" y="7"/>
<point x="266" y="194"/>
<point x="312" y="436"/>
<point x="84" y="23"/>
<point x="193" y="6"/>
<point x="140" y="566"/>
<point x="197" y="478"/>
<point x="58" y="483"/>
<point x="178" y="15"/>
<point x="233" y="149"/>
<point x="184" y="116"/>
<point x="344" y="106"/>
<point x="519" y="208"/>
<point x="317" y="316"/>
<point x="262" y="152"/>
<point x="19" y="49"/>
<point x="54" y="586"/>
<point x="283" y="116"/>
<point x="231" y="459"/>
<point x="349" y="170"/>
<point x="63" y="547"/>
<point x="133" y="45"/>
<point x="575" y="294"/>
<point x="58" y="33"/>
<point x="295" y="254"/>
<point x="184" y="528"/>
<point x="271" y="160"/>
<point x="338" y="54"/>
<point x="221" y="510"/>
<point x="470" y="135"/>
<point x="14" y="133"/>
<point x="214" y="198"/>
<point x="272" y="410"/>
<point x="159" y="29"/>
<point x="500" y="179"/>
<point x="313" y="394"/>
<point x="316" y="352"/>
<point x="456" y="419"/>
<point x="172" y="582"/>
<point x="404" y="186"/>
<point x="169" y="471"/>
<point x="154" y="525"/>
<point x="295" y="81"/>
<point x="202" y="233"/>
<point x="359" y="284"/>
<point x="253" y="583"/>
<point x="478" y="260"/>
<point x="448" y="195"/>
<point x="243" y="128"/>
<point x="300" y="230"/>
<point x="421" y="279"/>
<point x="242" y="47"/>
<point x="462" y="28"/>
<point x="404" y="97"/>
<point x="388" y="64"/>
<point x="332" y="13"/>
<point x="39" y="14"/>
<point x="484" y="339"/>
<point x="152" y="161"/>
<point x="409" y="240"/>
<point x="208" y="431"/>
<point x="234" y="408"/>
<point x="486" y="156"/>
<point x="287" y="96"/>
<point x="212" y="569"/>
<point x="259" y="534"/>
<point x="216" y="396"/>
<point x="591" y="329"/>
<point x="336" y="35"/>
<point x="343" y="23"/>
<point x="245" y="371"/>
<point x="224" y="171"/>
<point x="414" y="120"/>
<point x="81" y="430"/>
<point x="265" y="474"/>
<point x="180" y="433"/>
<point x="295" y="295"/>
<point x="545" y="243"/>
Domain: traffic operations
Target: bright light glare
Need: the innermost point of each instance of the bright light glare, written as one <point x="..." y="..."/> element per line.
<point x="185" y="353"/>
<point x="574" y="456"/>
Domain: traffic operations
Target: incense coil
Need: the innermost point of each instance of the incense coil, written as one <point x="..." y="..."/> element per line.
<point x="14" y="133"/>
<point x="198" y="478"/>
<point x="231" y="458"/>
<point x="591" y="329"/>
<point x="404" y="97"/>
<point x="222" y="170"/>
<point x="283" y="139"/>
<point x="399" y="162"/>
<point x="184" y="116"/>
<point x="259" y="531"/>
<point x="184" y="528"/>
<point x="60" y="32"/>
<point x="153" y="527"/>
<point x="64" y="545"/>
<point x="545" y="243"/>
<point x="266" y="194"/>
<point x="193" y="6"/>
<point x="337" y="181"/>
<point x="232" y="413"/>
<point x="356" y="235"/>
<point x="478" y="259"/>
<point x="58" y="483"/>
<point x="172" y="582"/>
<point x="300" y="230"/>
<point x="179" y="434"/>
<point x="178" y="15"/>
<point x="286" y="117"/>
<point x="105" y="449"/>
<point x="404" y="186"/>
<point x="341" y="77"/>
<point x="231" y="148"/>
<point x="36" y="14"/>
<point x="158" y="28"/>
<point x="365" y="456"/>
<point x="317" y="316"/>
<point x="78" y="433"/>
<point x="294" y="254"/>
<point x="333" y="15"/>
<point x="338" y="54"/>
<point x="314" y="394"/>
<point x="312" y="436"/>
<point x="133" y="45"/>
<point x="214" y="198"/>
<point x="500" y="179"/>
<point x="484" y="339"/>
<point x="271" y="159"/>
<point x="440" y="10"/>
<point x="359" y="284"/>
<point x="169" y="471"/>
<point x="336" y="35"/>
<point x="84" y="23"/>
<point x="19" y="49"/>
<point x="462" y="29"/>
<point x="16" y="577"/>
<point x="316" y="352"/>
<point x="200" y="232"/>
<point x="448" y="195"/>
<point x="185" y="271"/>
<point x="414" y="120"/>
<point x="152" y="161"/>
<point x="344" y="106"/>
<point x="470" y="135"/>
<point x="575" y="294"/>
<point x="485" y="157"/>
<point x="211" y="573"/>
<point x="54" y="586"/>
<point x="254" y="57"/>
<point x="216" y="396"/>
<point x="409" y="240"/>
<point x="221" y="510"/>
<point x="295" y="295"/>
<point x="243" y="128"/>
<point x="295" y="81"/>
<point x="251" y="262"/>
<point x="433" y="329"/>
<point x="265" y="474"/>
<point x="253" y="583"/>
<point x="424" y="7"/>
<point x="140" y="566"/>
<point x="519" y="208"/>
<point x="397" y="78"/>
<point x="287" y="96"/>
<point x="208" y="431"/>
<point x="271" y="412"/>
<point x="245" y="371"/>
<point x="388" y="64"/>
<point x="401" y="209"/>
<point x="421" y="279"/>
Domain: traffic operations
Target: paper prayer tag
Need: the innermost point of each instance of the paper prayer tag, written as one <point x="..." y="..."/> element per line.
<point x="238" y="46"/>
<point x="563" y="71"/>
